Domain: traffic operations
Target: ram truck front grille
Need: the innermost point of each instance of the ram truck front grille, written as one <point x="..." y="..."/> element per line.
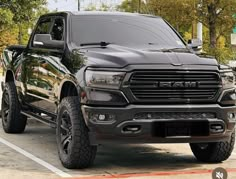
<point x="178" y="86"/>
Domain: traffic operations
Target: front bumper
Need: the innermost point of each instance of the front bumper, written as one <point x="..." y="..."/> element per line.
<point x="124" y="128"/>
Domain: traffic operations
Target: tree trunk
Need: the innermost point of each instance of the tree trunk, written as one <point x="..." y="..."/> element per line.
<point x="212" y="24"/>
<point x="139" y="6"/>
<point x="20" y="34"/>
<point x="212" y="33"/>
<point x="78" y="5"/>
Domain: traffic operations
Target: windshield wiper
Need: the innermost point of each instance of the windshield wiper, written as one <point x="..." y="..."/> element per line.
<point x="171" y="49"/>
<point x="102" y="44"/>
<point x="175" y="50"/>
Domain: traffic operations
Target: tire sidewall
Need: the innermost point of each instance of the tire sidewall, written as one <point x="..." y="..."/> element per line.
<point x="81" y="154"/>
<point x="15" y="121"/>
<point x="62" y="154"/>
<point x="215" y="152"/>
<point x="6" y="123"/>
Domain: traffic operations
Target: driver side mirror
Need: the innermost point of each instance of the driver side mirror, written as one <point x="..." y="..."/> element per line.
<point x="195" y="44"/>
<point x="45" y="41"/>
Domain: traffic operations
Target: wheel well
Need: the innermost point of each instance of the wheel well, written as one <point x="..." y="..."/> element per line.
<point x="9" y="76"/>
<point x="68" y="89"/>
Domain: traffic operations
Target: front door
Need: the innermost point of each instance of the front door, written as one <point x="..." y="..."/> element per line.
<point x="29" y="77"/>
<point x="49" y="78"/>
<point x="30" y="66"/>
<point x="49" y="70"/>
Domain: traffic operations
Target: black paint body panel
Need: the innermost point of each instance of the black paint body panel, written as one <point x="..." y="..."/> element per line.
<point x="40" y="74"/>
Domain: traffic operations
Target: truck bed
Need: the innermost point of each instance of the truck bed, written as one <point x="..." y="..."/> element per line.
<point x="12" y="52"/>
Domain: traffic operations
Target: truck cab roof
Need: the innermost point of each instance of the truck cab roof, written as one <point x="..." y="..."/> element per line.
<point x="97" y="13"/>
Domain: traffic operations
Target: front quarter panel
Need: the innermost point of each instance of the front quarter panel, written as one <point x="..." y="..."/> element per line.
<point x="73" y="65"/>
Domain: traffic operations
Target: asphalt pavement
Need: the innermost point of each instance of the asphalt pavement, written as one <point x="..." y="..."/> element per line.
<point x="33" y="154"/>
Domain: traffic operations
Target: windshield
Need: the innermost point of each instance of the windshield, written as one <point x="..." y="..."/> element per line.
<point x="124" y="30"/>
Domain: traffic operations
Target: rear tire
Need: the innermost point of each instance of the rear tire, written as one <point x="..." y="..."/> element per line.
<point x="214" y="152"/>
<point x="12" y="119"/>
<point x="73" y="142"/>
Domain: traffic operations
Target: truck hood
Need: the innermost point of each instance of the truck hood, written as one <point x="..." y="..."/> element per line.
<point x="115" y="56"/>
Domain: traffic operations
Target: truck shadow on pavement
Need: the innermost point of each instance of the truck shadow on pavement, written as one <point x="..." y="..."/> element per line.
<point x="127" y="158"/>
<point x="142" y="158"/>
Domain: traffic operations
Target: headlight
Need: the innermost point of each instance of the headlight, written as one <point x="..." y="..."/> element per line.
<point x="228" y="79"/>
<point x="104" y="79"/>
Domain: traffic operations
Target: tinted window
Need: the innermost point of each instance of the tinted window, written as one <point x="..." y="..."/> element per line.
<point x="43" y="27"/>
<point x="119" y="29"/>
<point x="58" y="29"/>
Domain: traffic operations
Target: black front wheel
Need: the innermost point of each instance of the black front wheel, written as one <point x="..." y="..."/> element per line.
<point x="12" y="119"/>
<point x="73" y="142"/>
<point x="214" y="152"/>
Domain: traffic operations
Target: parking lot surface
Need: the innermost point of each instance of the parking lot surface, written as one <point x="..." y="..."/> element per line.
<point x="33" y="154"/>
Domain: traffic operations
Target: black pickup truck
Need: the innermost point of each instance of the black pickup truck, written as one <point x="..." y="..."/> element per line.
<point x="101" y="77"/>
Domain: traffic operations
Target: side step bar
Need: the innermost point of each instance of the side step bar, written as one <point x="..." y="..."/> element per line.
<point x="40" y="119"/>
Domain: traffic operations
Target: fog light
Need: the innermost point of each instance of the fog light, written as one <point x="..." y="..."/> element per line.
<point x="95" y="117"/>
<point x="102" y="117"/>
<point x="231" y="116"/>
<point x="149" y="116"/>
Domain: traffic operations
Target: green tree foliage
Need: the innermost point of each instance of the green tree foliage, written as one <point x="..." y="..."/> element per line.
<point x="129" y="6"/>
<point x="178" y="12"/>
<point x="216" y="16"/>
<point x="103" y="7"/>
<point x="16" y="17"/>
<point x="6" y="18"/>
<point x="8" y="38"/>
<point x="8" y="35"/>
<point x="23" y="10"/>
